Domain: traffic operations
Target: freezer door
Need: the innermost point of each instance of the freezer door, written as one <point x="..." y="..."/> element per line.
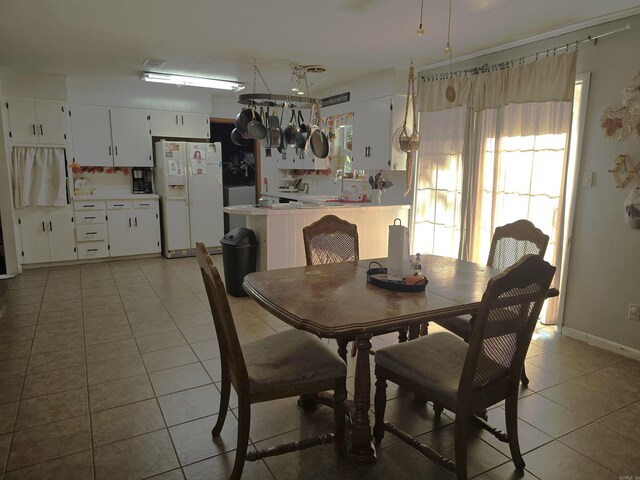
<point x="205" y="193"/>
<point x="175" y="225"/>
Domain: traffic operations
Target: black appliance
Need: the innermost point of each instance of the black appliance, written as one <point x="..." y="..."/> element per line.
<point x="142" y="180"/>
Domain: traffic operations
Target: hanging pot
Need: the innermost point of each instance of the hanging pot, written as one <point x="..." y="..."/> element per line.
<point x="266" y="140"/>
<point x="282" y="146"/>
<point x="255" y="128"/>
<point x="243" y="118"/>
<point x="318" y="140"/>
<point x="291" y="130"/>
<point x="237" y="138"/>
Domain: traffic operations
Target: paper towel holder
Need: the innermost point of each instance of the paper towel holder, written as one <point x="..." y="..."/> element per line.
<point x="399" y="220"/>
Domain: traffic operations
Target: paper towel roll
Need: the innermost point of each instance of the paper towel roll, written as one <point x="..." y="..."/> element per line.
<point x="398" y="252"/>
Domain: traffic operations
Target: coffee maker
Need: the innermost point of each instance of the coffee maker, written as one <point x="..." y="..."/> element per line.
<point x="142" y="180"/>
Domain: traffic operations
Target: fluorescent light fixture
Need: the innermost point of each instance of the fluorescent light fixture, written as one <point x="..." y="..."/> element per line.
<point x="191" y="81"/>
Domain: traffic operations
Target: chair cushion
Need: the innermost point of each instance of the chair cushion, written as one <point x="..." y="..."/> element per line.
<point x="289" y="358"/>
<point x="433" y="362"/>
<point x="461" y="326"/>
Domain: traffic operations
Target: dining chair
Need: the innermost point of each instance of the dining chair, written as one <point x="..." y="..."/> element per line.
<point x="466" y="379"/>
<point x="286" y="364"/>
<point x="333" y="240"/>
<point x="509" y="243"/>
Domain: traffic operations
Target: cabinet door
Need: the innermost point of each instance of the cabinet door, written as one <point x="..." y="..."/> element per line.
<point x="22" y="121"/>
<point x="194" y="125"/>
<point x="50" y="126"/>
<point x="131" y="138"/>
<point x="62" y="244"/>
<point x="120" y="226"/>
<point x="165" y="124"/>
<point x="146" y="232"/>
<point x="372" y="134"/>
<point x="91" y="134"/>
<point x="35" y="235"/>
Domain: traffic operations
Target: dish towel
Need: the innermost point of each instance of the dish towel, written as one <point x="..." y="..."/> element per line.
<point x="39" y="177"/>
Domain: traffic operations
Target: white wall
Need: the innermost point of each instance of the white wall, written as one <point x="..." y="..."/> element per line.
<point x="604" y="268"/>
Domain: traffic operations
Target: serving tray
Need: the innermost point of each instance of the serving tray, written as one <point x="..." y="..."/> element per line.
<point x="378" y="278"/>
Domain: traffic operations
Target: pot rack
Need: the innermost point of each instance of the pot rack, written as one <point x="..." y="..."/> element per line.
<point x="273" y="99"/>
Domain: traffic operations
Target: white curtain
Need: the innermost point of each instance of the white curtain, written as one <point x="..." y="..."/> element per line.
<point x="509" y="132"/>
<point x="39" y="177"/>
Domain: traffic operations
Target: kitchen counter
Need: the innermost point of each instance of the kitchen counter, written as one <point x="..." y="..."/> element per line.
<point x="131" y="196"/>
<point x="278" y="228"/>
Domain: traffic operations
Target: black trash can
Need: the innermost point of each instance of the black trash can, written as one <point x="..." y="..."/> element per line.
<point x="239" y="254"/>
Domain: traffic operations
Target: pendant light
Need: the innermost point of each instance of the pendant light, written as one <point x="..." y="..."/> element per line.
<point x="420" y="30"/>
<point x="450" y="92"/>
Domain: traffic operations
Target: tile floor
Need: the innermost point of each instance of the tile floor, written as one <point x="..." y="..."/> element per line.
<point x="111" y="371"/>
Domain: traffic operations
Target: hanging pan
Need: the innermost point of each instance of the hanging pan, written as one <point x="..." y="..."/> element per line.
<point x="243" y="118"/>
<point x="282" y="147"/>
<point x="318" y="139"/>
<point x="237" y="138"/>
<point x="255" y="128"/>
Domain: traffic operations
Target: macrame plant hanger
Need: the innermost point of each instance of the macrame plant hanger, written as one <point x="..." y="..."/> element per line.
<point x="409" y="142"/>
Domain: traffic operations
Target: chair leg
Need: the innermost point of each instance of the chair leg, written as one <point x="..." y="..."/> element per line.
<point x="224" y="403"/>
<point x="511" y="417"/>
<point x="380" y="405"/>
<point x="354" y="349"/>
<point x="437" y="409"/>
<point x="244" y="422"/>
<point x="339" y="396"/>
<point x="342" y="349"/>
<point x="523" y="377"/>
<point x="461" y="428"/>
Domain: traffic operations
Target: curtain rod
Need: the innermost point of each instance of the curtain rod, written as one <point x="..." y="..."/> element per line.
<point x="521" y="60"/>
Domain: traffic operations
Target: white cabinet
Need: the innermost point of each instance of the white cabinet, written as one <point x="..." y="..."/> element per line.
<point x="91" y="229"/>
<point x="134" y="227"/>
<point x="47" y="234"/>
<point x="374" y="123"/>
<point x="104" y="136"/>
<point x="179" y="124"/>
<point x="36" y="121"/>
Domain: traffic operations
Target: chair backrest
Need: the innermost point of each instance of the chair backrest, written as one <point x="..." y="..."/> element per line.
<point x="330" y="240"/>
<point x="505" y="323"/>
<point x="231" y="357"/>
<point x="512" y="241"/>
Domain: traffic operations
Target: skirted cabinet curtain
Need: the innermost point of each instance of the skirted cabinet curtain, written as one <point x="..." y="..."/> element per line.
<point x="497" y="154"/>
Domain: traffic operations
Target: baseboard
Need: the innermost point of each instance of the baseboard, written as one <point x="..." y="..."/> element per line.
<point x="602" y="343"/>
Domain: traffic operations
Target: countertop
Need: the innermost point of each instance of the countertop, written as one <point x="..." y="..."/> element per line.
<point x="293" y="209"/>
<point x="131" y="196"/>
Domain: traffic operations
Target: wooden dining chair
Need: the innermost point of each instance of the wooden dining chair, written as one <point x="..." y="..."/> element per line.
<point x="509" y="243"/>
<point x="330" y="240"/>
<point x="282" y="365"/>
<point x="469" y="378"/>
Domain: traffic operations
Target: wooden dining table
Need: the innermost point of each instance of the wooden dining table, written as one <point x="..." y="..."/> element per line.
<point x="335" y="301"/>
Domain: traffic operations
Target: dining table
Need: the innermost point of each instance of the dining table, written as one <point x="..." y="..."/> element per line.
<point x="336" y="301"/>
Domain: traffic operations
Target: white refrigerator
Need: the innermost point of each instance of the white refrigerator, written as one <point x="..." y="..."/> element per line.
<point x="188" y="178"/>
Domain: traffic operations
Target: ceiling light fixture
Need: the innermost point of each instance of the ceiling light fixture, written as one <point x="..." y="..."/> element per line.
<point x="420" y="30"/>
<point x="181" y="80"/>
<point x="299" y="81"/>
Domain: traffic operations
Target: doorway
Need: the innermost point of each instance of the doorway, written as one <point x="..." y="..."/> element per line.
<point x="240" y="169"/>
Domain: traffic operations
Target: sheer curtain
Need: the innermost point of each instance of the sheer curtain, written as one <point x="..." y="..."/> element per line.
<point x="497" y="155"/>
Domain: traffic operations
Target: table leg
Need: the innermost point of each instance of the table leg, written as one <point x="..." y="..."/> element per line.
<point x="361" y="449"/>
<point x="414" y="331"/>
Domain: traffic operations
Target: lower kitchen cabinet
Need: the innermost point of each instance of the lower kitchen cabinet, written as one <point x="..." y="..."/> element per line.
<point x="48" y="234"/>
<point x="134" y="227"/>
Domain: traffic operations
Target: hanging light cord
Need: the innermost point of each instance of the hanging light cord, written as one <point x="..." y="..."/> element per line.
<point x="449" y="30"/>
<point x="420" y="30"/>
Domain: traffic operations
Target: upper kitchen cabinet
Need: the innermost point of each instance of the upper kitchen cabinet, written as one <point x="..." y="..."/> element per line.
<point x="36" y="121"/>
<point x="104" y="136"/>
<point x="176" y="124"/>
<point x="374" y="123"/>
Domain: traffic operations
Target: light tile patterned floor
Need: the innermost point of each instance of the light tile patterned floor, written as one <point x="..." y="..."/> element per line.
<point x="111" y="371"/>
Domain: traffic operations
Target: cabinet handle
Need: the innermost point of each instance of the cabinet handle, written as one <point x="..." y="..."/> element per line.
<point x="89" y="218"/>
<point x="43" y="229"/>
<point x="34" y="128"/>
<point x="91" y="233"/>
<point x="116" y="149"/>
<point x="92" y="249"/>
<point x="118" y="204"/>
<point x="182" y="116"/>
<point x="109" y="150"/>
<point x="41" y="130"/>
<point x="50" y="227"/>
<point x="176" y="119"/>
<point x="90" y="206"/>
<point x="136" y="218"/>
<point x="144" y="204"/>
<point x="129" y="222"/>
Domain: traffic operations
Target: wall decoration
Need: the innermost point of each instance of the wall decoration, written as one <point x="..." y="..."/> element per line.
<point x="625" y="166"/>
<point x="619" y="122"/>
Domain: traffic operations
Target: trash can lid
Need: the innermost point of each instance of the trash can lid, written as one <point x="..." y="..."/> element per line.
<point x="240" y="237"/>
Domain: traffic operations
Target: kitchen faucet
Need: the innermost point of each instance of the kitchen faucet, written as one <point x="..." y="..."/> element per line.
<point x="339" y="173"/>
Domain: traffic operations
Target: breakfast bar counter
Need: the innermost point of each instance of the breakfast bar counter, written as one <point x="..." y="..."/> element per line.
<point x="278" y="228"/>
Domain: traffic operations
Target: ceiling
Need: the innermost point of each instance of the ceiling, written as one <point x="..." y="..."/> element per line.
<point x="220" y="38"/>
